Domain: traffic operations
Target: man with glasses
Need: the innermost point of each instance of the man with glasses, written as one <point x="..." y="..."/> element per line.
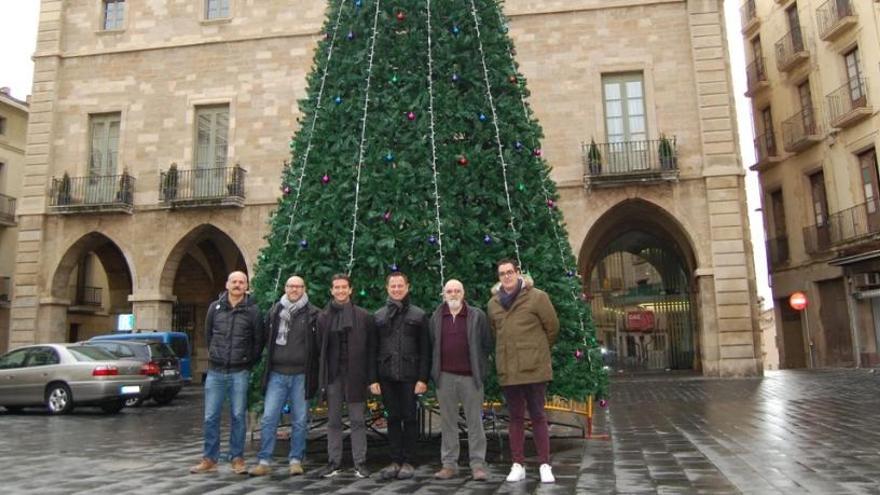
<point x="291" y="374"/>
<point x="462" y="342"/>
<point x="525" y="326"/>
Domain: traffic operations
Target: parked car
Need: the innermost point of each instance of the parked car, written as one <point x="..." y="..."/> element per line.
<point x="157" y="361"/>
<point x="177" y="341"/>
<point x="62" y="376"/>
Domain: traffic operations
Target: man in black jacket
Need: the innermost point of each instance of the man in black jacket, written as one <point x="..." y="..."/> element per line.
<point x="347" y="339"/>
<point x="234" y="329"/>
<point x="291" y="374"/>
<point x="400" y="371"/>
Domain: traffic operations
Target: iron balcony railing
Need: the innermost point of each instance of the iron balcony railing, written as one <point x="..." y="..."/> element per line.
<point x="7" y="210"/>
<point x="747" y="12"/>
<point x="847" y="99"/>
<point x="800" y="130"/>
<point x="92" y="193"/>
<point x="5" y="289"/>
<point x="756" y="73"/>
<point x="777" y="251"/>
<point x="765" y="147"/>
<point x="789" y="49"/>
<point x="88" y="296"/>
<point x="853" y="223"/>
<point x="202" y="185"/>
<point x="817" y="238"/>
<point x="831" y="14"/>
<point x="630" y="158"/>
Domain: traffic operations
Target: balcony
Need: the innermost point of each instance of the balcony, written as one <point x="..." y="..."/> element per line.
<point x="765" y="150"/>
<point x="800" y="131"/>
<point x="630" y="162"/>
<point x="92" y="194"/>
<point x="817" y="239"/>
<point x="854" y="224"/>
<point x="88" y="296"/>
<point x="834" y="18"/>
<point x="848" y="104"/>
<point x="7" y="211"/>
<point x="749" y="17"/>
<point x="777" y="252"/>
<point x="791" y="51"/>
<point x="756" y="77"/>
<point x="202" y="187"/>
<point x="5" y="290"/>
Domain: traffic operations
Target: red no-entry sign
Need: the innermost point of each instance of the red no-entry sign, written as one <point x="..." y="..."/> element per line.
<point x="798" y="301"/>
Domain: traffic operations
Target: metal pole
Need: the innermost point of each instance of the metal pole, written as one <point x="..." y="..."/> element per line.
<point x="809" y="338"/>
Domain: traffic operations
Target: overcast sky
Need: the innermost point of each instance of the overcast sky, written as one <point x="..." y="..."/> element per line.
<point x="18" y="32"/>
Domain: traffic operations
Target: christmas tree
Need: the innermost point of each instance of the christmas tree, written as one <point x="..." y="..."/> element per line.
<point x="418" y="152"/>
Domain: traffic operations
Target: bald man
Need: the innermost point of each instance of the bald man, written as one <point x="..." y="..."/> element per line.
<point x="291" y="374"/>
<point x="462" y="341"/>
<point x="234" y="332"/>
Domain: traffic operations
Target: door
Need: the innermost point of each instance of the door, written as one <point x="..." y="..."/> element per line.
<point x="768" y="140"/>
<point x="102" y="183"/>
<point x="835" y="324"/>
<point x="625" y="122"/>
<point x="806" y="100"/>
<point x="41" y="363"/>
<point x="11" y="365"/>
<point x="820" y="209"/>
<point x="857" y="95"/>
<point x="792" y="345"/>
<point x="211" y="152"/>
<point x="758" y="53"/>
<point x="794" y="25"/>
<point x="871" y="187"/>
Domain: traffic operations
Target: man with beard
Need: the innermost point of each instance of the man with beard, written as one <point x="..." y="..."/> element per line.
<point x="234" y="330"/>
<point x="291" y="374"/>
<point x="400" y="372"/>
<point x="347" y="334"/>
<point x="461" y="342"/>
<point x="525" y="326"/>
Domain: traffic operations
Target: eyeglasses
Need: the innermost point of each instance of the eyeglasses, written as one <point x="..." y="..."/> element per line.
<point x="294" y="286"/>
<point x="507" y="273"/>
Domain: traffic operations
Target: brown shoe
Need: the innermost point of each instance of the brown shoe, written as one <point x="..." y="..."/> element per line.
<point x="238" y="466"/>
<point x="479" y="474"/>
<point x="204" y="466"/>
<point x="296" y="469"/>
<point x="445" y="473"/>
<point x="258" y="470"/>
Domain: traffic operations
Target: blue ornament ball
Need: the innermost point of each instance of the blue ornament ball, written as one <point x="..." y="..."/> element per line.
<point x="303" y="243"/>
<point x="393" y="267"/>
<point x="455" y="30"/>
<point x="482" y="117"/>
<point x="337" y="100"/>
<point x="569" y="273"/>
<point x="455" y="78"/>
<point x="487" y="239"/>
<point x="432" y="240"/>
<point x="518" y="145"/>
<point x="350" y="35"/>
<point x="389" y="158"/>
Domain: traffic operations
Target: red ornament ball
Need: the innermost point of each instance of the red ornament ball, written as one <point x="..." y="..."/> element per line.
<point x="513" y="79"/>
<point x="411" y="116"/>
<point x="463" y="161"/>
<point x="603" y="403"/>
<point x="325" y="179"/>
<point x="578" y="354"/>
<point x="401" y="16"/>
<point x="538" y="152"/>
<point x="551" y="204"/>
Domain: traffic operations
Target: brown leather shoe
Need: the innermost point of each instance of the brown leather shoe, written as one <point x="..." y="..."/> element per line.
<point x="445" y="473"/>
<point x="258" y="470"/>
<point x="204" y="466"/>
<point x="479" y="474"/>
<point x="238" y="466"/>
<point x="296" y="469"/>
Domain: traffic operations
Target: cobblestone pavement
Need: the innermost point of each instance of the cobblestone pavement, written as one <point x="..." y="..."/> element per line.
<point x="791" y="432"/>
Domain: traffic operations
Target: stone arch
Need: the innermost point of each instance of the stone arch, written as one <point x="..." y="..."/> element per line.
<point x="225" y="253"/>
<point x="116" y="263"/>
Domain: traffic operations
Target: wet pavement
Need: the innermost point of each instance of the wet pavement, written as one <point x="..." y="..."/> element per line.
<point x="791" y="432"/>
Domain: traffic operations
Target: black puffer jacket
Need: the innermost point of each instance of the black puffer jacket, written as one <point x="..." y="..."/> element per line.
<point x="235" y="335"/>
<point x="404" y="347"/>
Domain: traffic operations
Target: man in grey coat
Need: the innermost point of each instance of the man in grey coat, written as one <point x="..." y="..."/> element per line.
<point x="462" y="342"/>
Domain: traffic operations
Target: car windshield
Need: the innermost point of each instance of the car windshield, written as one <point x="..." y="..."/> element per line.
<point x="160" y="350"/>
<point x="90" y="353"/>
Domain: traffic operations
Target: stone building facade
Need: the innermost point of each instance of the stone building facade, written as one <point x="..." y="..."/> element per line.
<point x="122" y="92"/>
<point x="812" y="77"/>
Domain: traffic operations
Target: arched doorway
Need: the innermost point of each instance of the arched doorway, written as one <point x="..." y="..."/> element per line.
<point x="94" y="276"/>
<point x="639" y="268"/>
<point x="195" y="273"/>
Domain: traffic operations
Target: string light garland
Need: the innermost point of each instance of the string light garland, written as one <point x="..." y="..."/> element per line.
<point x="438" y="240"/>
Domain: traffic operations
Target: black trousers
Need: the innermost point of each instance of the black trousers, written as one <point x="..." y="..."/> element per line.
<point x="400" y="402"/>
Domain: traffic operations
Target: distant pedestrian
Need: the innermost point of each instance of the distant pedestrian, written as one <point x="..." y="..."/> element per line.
<point x="525" y="326"/>
<point x="461" y="342"/>
<point x="234" y="331"/>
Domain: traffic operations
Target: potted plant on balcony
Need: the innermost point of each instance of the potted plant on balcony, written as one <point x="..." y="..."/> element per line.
<point x="666" y="152"/>
<point x="169" y="183"/>
<point x="234" y="184"/>
<point x="63" y="193"/>
<point x="123" y="192"/>
<point x="594" y="158"/>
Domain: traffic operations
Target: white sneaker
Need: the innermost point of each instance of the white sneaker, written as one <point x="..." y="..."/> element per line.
<point x="517" y="473"/>
<point x="547" y="474"/>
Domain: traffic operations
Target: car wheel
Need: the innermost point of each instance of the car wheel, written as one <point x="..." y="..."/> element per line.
<point x="133" y="401"/>
<point x="59" y="400"/>
<point x="113" y="407"/>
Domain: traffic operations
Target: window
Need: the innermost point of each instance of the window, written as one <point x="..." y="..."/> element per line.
<point x="870" y="182"/>
<point x="2" y="125"/>
<point x="777" y="210"/>
<point x="757" y="55"/>
<point x="216" y="9"/>
<point x="805" y="97"/>
<point x="114" y="14"/>
<point x="794" y="25"/>
<point x="624" y="107"/>
<point x="766" y="139"/>
<point x="211" y="140"/>
<point x="854" y="77"/>
<point x="42" y="356"/>
<point x="104" y="147"/>
<point x="14" y="359"/>
<point x="820" y="201"/>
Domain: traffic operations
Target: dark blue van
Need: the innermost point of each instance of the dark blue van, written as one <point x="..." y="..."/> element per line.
<point x="178" y="341"/>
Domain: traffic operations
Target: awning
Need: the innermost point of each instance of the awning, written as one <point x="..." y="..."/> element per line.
<point x="856" y="258"/>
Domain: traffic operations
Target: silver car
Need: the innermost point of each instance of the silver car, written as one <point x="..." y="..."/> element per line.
<point x="61" y="376"/>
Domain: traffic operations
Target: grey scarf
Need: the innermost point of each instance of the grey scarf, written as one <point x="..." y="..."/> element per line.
<point x="288" y="309"/>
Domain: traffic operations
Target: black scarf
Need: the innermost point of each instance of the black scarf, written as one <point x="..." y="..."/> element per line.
<point x="342" y="317"/>
<point x="508" y="299"/>
<point x="396" y="307"/>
